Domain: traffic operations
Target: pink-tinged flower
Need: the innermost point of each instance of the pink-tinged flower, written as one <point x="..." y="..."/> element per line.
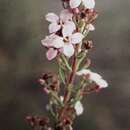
<point x="69" y="41"/>
<point x="90" y="27"/>
<point x="78" y="108"/>
<point x="76" y="10"/>
<point x="46" y="90"/>
<point x="53" y="43"/>
<point x="63" y="21"/>
<point x="90" y="4"/>
<point x="65" y="44"/>
<point x="53" y="40"/>
<point x="61" y="98"/>
<point x="94" y="77"/>
<point x="51" y="53"/>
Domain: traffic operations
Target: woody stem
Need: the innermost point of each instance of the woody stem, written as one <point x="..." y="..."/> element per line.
<point x="71" y="78"/>
<point x="69" y="84"/>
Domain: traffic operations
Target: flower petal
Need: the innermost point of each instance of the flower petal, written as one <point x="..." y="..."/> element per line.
<point x="78" y="108"/>
<point x="90" y="4"/>
<point x="90" y="27"/>
<point x="54" y="27"/>
<point x="68" y="50"/>
<point x="95" y="76"/>
<point x="101" y="83"/>
<point x="47" y="41"/>
<point x="66" y="15"/>
<point x="70" y="24"/>
<point x="51" y="53"/>
<point x="61" y="98"/>
<point x="53" y="40"/>
<point x="51" y="17"/>
<point x="75" y="3"/>
<point x="83" y="72"/>
<point x="76" y="38"/>
<point x="57" y="42"/>
<point x="68" y="29"/>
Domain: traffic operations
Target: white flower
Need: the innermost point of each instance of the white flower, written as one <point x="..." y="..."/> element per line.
<point x="69" y="41"/>
<point x="65" y="43"/>
<point x="61" y="98"/>
<point x="90" y="4"/>
<point x="51" y="53"/>
<point x="90" y="27"/>
<point x="78" y="108"/>
<point x="53" y="43"/>
<point x="83" y="72"/>
<point x="93" y="77"/>
<point x="63" y="21"/>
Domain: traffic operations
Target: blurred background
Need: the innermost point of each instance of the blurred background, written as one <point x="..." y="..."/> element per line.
<point x="22" y="60"/>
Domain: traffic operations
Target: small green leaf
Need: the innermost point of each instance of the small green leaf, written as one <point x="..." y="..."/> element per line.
<point x="81" y="57"/>
<point x="62" y="75"/>
<point x="66" y="62"/>
<point x="82" y="25"/>
<point x="55" y="96"/>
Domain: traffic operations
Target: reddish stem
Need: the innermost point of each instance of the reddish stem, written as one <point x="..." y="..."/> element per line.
<point x="70" y="82"/>
<point x="71" y="79"/>
<point x="72" y="75"/>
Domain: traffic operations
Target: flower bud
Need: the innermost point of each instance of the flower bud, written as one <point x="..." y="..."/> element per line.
<point x="88" y="45"/>
<point x="87" y="63"/>
<point x="43" y="121"/>
<point x="46" y="76"/>
<point x="41" y="81"/>
<point x="46" y="90"/>
<point x="76" y="10"/>
<point x="37" y="121"/>
<point x="31" y="120"/>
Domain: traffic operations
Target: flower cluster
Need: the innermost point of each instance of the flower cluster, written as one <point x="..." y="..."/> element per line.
<point x="93" y="77"/>
<point x="63" y="34"/>
<point x="68" y="43"/>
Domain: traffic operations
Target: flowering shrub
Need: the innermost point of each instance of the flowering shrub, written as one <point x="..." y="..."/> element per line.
<point x="68" y="43"/>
